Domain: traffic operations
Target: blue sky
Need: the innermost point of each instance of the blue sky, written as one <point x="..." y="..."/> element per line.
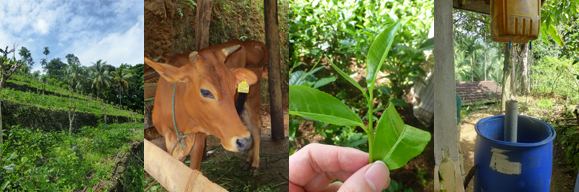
<point x="90" y="29"/>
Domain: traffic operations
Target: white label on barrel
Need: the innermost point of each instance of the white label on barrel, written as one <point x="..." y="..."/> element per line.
<point x="501" y="164"/>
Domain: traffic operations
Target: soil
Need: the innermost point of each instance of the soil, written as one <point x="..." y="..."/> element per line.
<point x="563" y="176"/>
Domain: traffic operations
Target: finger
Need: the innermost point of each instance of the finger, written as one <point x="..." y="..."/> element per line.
<point x="322" y="180"/>
<point x="373" y="177"/>
<point x="295" y="188"/>
<point x="313" y="159"/>
<point x="333" y="187"/>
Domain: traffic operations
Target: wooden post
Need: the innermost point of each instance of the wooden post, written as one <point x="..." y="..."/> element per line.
<point x="203" y="20"/>
<point x="446" y="132"/>
<point x="273" y="68"/>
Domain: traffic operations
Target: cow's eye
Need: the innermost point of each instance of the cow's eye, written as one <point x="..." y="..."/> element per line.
<point x="207" y="94"/>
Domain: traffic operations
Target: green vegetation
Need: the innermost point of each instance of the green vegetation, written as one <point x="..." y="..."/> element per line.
<point x="392" y="134"/>
<point x="60" y="103"/>
<point x="54" y="161"/>
<point x="340" y="33"/>
<point x="344" y="32"/>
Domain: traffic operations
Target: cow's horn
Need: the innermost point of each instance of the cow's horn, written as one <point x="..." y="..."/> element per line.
<point x="193" y="57"/>
<point x="229" y="50"/>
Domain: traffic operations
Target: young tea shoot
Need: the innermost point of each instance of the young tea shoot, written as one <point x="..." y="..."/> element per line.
<point x="391" y="141"/>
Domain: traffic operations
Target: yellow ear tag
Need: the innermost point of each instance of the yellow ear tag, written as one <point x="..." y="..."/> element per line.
<point x="243" y="87"/>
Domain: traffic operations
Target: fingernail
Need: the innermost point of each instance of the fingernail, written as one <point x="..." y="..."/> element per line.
<point x="377" y="175"/>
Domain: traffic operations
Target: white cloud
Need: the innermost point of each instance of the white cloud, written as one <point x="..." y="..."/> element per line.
<point x="91" y="30"/>
<point x="115" y="48"/>
<point x="41" y="26"/>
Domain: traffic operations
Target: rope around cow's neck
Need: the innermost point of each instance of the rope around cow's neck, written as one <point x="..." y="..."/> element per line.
<point x="179" y="135"/>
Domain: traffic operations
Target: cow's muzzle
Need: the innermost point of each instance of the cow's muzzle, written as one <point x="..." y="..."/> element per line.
<point x="243" y="144"/>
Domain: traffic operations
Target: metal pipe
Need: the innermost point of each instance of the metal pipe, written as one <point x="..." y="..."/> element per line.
<point x="511" y="121"/>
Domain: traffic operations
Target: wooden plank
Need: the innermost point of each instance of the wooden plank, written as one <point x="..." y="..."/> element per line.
<point x="152" y="75"/>
<point x="150" y="90"/>
<point x="273" y="68"/>
<point x="479" y="6"/>
<point x="202" y="23"/>
<point x="173" y="174"/>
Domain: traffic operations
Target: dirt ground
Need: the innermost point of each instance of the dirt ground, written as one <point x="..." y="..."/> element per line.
<point x="563" y="176"/>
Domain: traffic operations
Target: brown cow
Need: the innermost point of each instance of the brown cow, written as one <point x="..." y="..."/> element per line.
<point x="204" y="99"/>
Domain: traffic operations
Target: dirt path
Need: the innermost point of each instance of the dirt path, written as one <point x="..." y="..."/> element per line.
<point x="563" y="176"/>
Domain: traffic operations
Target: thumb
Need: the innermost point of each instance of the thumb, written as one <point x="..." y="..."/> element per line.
<point x="372" y="177"/>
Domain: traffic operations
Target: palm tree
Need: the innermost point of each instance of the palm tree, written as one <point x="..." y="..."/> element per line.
<point x="101" y="77"/>
<point x="74" y="73"/>
<point x="120" y="76"/>
<point x="46" y="52"/>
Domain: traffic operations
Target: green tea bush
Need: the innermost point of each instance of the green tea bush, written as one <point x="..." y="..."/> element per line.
<point x="344" y="30"/>
<point x="60" y="103"/>
<point x="54" y="161"/>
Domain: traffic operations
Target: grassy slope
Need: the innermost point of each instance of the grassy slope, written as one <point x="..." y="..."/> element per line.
<point x="55" y="102"/>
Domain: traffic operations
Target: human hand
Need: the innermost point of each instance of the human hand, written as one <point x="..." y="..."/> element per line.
<point x="313" y="168"/>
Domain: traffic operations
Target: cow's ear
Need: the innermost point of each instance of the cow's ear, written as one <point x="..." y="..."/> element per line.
<point x="242" y="73"/>
<point x="169" y="72"/>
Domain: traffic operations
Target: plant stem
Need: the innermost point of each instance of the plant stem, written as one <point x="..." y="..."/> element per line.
<point x="370" y="130"/>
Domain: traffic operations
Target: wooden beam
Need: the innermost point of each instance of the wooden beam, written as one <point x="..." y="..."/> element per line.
<point x="273" y="69"/>
<point x="152" y="75"/>
<point x="202" y="23"/>
<point x="173" y="174"/>
<point x="150" y="90"/>
<point x="479" y="6"/>
<point x="446" y="131"/>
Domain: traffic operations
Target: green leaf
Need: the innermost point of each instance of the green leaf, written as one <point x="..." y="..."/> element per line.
<point x="9" y="168"/>
<point x="378" y="52"/>
<point x="3" y="187"/>
<point x="399" y="102"/>
<point x="315" y="104"/>
<point x="427" y="45"/>
<point x="396" y="143"/>
<point x="295" y="77"/>
<point x="352" y="81"/>
<point x="555" y="35"/>
<point x="324" y="81"/>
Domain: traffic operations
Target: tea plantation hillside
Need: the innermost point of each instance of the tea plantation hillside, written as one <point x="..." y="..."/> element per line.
<point x="40" y="154"/>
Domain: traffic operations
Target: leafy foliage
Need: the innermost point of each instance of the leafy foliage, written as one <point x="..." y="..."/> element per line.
<point x="344" y="30"/>
<point x="54" y="161"/>
<point x="60" y="103"/>
<point x="556" y="75"/>
<point x="315" y="104"/>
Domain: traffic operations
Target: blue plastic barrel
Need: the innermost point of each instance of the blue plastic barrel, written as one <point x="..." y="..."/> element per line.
<point x="507" y="166"/>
